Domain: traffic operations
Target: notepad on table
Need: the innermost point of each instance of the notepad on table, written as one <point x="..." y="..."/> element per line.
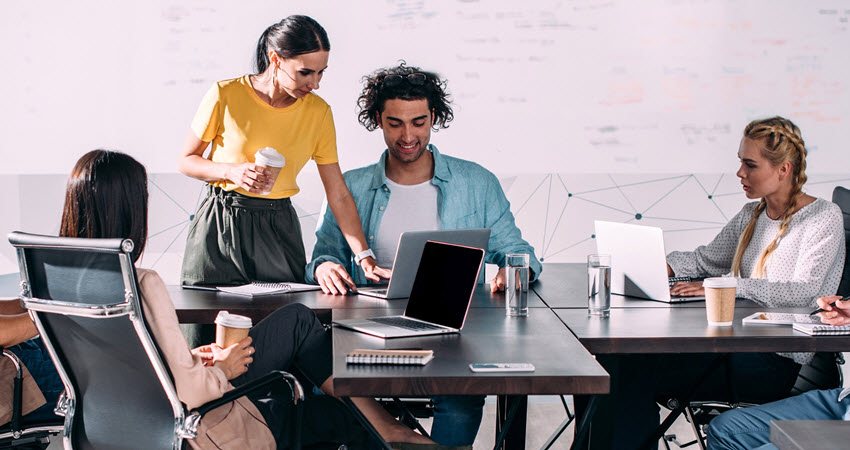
<point x="821" y="329"/>
<point x="262" y="288"/>
<point x="397" y="357"/>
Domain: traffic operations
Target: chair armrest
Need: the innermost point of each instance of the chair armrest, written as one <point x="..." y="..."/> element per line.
<point x="260" y="383"/>
<point x="17" y="390"/>
<point x="189" y="428"/>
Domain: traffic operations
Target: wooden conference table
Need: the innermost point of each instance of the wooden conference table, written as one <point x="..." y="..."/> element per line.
<point x="809" y="434"/>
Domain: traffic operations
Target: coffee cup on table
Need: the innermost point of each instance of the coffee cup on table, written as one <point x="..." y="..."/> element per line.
<point x="270" y="159"/>
<point x="231" y="328"/>
<point x="720" y="300"/>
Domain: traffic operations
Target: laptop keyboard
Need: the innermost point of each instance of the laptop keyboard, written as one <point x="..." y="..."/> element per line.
<point x="673" y="280"/>
<point x="405" y="323"/>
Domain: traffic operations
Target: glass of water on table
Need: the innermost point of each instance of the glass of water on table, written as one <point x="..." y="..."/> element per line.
<point x="598" y="285"/>
<point x="516" y="293"/>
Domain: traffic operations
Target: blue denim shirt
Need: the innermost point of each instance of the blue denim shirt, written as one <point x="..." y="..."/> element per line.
<point x="470" y="196"/>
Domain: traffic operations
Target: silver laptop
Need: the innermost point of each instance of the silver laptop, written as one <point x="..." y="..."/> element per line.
<point x="409" y="251"/>
<point x="440" y="298"/>
<point x="638" y="261"/>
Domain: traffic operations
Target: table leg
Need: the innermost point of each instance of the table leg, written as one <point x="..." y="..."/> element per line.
<point x="511" y="412"/>
<point x="583" y="425"/>
<point x="368" y="426"/>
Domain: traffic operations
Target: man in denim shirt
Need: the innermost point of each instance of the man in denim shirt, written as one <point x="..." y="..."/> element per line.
<point x="414" y="187"/>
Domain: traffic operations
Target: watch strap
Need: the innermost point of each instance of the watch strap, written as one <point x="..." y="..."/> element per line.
<point x="362" y="255"/>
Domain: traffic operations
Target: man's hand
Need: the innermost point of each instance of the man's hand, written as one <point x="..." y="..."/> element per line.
<point x="233" y="360"/>
<point x="373" y="272"/>
<point x="333" y="278"/>
<point x="835" y="312"/>
<point x="499" y="282"/>
<point x="691" y="289"/>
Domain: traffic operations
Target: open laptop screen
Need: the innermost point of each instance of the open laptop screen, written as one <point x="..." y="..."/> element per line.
<point x="444" y="283"/>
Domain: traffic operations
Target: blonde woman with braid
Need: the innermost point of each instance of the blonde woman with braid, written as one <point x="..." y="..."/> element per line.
<point x="786" y="250"/>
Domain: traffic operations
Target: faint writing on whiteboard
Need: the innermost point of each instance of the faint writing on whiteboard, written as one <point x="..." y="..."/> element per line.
<point x="699" y="134"/>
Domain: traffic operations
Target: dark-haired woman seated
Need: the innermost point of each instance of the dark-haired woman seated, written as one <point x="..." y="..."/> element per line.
<point x="107" y="198"/>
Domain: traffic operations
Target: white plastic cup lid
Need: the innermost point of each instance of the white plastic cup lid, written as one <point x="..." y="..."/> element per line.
<point x="269" y="157"/>
<point x="720" y="282"/>
<point x="226" y="319"/>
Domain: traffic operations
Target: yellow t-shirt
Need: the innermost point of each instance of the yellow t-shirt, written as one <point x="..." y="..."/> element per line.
<point x="239" y="123"/>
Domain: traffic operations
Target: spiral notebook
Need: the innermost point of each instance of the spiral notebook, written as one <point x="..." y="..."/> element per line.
<point x="821" y="329"/>
<point x="263" y="288"/>
<point x="396" y="357"/>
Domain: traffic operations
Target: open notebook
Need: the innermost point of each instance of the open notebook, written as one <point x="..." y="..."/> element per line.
<point x="262" y="288"/>
<point x="821" y="329"/>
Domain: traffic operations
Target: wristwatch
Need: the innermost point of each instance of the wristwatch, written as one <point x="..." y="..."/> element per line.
<point x="362" y="255"/>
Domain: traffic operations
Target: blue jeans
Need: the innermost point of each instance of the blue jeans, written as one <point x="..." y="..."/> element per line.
<point x="750" y="427"/>
<point x="456" y="419"/>
<point x="35" y="357"/>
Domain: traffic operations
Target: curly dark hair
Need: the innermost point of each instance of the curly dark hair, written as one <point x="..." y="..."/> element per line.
<point x="376" y="93"/>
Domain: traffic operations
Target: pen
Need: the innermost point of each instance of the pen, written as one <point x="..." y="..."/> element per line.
<point x="820" y="310"/>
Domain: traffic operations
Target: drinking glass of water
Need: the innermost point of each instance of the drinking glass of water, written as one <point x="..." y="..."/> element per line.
<point x="598" y="285"/>
<point x="516" y="294"/>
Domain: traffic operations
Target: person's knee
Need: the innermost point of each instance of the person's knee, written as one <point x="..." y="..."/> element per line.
<point x="721" y="428"/>
<point x="299" y="312"/>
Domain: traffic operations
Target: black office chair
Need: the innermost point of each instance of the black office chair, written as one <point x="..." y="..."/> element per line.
<point x="19" y="433"/>
<point x="824" y="372"/>
<point x="841" y="197"/>
<point x="83" y="296"/>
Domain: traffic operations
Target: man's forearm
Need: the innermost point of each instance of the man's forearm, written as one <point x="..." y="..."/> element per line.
<point x="11" y="307"/>
<point x="15" y="329"/>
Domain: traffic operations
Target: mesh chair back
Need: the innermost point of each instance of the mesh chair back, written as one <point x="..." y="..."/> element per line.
<point x="117" y="399"/>
<point x="824" y="372"/>
<point x="841" y="197"/>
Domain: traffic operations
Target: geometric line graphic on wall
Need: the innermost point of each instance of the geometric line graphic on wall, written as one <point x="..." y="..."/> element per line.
<point x="616" y="197"/>
<point x="556" y="211"/>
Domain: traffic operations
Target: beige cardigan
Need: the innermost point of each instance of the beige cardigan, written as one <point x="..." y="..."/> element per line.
<point x="237" y="425"/>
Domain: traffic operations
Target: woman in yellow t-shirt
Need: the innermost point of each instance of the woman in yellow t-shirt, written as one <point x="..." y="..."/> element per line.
<point x="242" y="232"/>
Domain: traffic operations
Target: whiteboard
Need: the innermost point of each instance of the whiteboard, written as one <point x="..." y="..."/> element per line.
<point x="651" y="86"/>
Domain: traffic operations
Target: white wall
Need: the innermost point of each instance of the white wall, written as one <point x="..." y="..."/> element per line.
<point x="602" y="86"/>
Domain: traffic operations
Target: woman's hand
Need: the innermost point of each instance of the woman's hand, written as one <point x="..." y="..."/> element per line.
<point x="835" y="312"/>
<point x="373" y="272"/>
<point x="249" y="176"/>
<point x="205" y="352"/>
<point x="691" y="289"/>
<point x="233" y="360"/>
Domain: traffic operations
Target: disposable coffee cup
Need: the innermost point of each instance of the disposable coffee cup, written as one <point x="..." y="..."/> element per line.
<point x="272" y="160"/>
<point x="231" y="328"/>
<point x="720" y="300"/>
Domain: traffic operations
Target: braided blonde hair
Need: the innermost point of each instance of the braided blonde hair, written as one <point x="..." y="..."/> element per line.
<point x="781" y="141"/>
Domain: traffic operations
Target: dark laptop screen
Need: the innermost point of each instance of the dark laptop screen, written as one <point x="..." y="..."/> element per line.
<point x="444" y="283"/>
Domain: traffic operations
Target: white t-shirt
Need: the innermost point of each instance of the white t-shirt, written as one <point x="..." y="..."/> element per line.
<point x="410" y="208"/>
